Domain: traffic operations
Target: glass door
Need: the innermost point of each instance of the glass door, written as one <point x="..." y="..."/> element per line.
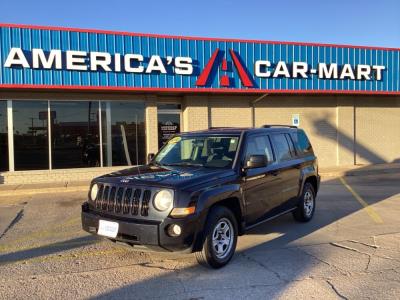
<point x="169" y="122"/>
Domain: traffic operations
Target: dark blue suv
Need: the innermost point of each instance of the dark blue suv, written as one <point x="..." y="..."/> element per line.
<point x="203" y="189"/>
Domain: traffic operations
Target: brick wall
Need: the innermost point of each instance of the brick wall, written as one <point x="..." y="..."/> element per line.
<point x="232" y="111"/>
<point x="377" y="122"/>
<point x="151" y="125"/>
<point x="317" y="118"/>
<point x="345" y="131"/>
<point x="195" y="113"/>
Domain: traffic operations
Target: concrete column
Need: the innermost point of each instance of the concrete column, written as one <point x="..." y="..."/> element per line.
<point x="195" y="113"/>
<point x="345" y="131"/>
<point x="151" y="124"/>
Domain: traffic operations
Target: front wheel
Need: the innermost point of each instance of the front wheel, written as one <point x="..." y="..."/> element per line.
<point x="306" y="208"/>
<point x="221" y="231"/>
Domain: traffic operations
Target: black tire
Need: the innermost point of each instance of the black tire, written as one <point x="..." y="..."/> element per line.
<point x="303" y="213"/>
<point x="209" y="256"/>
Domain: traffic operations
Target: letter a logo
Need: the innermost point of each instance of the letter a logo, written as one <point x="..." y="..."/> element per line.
<point x="217" y="59"/>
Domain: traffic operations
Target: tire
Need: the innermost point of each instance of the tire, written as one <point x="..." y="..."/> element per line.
<point x="219" y="219"/>
<point x="306" y="207"/>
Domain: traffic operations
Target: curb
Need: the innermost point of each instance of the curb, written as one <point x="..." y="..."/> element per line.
<point x="358" y="172"/>
<point x="36" y="191"/>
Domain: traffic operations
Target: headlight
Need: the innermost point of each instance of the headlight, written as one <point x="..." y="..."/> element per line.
<point x="163" y="200"/>
<point x="93" y="192"/>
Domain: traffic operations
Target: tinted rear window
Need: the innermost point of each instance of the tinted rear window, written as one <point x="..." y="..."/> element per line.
<point x="281" y="147"/>
<point x="302" y="142"/>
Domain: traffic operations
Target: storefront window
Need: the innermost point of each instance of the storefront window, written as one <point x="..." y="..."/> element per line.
<point x="168" y="125"/>
<point x="169" y="121"/>
<point x="3" y="137"/>
<point x="31" y="151"/>
<point x="75" y="134"/>
<point x="126" y="129"/>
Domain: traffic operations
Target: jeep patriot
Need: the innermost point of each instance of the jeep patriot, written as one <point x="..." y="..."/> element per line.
<point x="203" y="189"/>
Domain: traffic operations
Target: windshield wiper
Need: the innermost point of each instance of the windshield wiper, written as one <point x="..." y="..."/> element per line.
<point x="186" y="164"/>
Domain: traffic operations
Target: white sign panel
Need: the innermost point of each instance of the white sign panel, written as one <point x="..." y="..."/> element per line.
<point x="296" y="120"/>
<point x="108" y="229"/>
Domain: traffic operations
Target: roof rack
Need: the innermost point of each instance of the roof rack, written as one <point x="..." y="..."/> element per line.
<point x="277" y="125"/>
<point x="222" y="127"/>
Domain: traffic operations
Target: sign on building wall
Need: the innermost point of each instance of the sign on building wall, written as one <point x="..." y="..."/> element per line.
<point x="40" y="57"/>
<point x="296" y="120"/>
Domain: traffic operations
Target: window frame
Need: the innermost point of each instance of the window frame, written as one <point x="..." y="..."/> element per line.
<point x="96" y="108"/>
<point x="189" y="136"/>
<point x="274" y="146"/>
<point x="11" y="134"/>
<point x="292" y="147"/>
<point x="108" y="121"/>
<point x="301" y="153"/>
<point x="103" y="108"/>
<point x="6" y="119"/>
<point x="267" y="135"/>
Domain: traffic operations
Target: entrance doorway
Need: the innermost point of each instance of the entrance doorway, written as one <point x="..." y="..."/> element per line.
<point x="169" y="122"/>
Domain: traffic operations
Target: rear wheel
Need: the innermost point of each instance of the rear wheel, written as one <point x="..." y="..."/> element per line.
<point x="306" y="208"/>
<point x="221" y="231"/>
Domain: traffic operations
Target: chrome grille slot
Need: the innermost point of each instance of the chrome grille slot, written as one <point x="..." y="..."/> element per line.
<point x="111" y="199"/>
<point x="127" y="201"/>
<point x="123" y="200"/>
<point x="118" y="200"/>
<point x="136" y="202"/>
<point x="99" y="197"/>
<point x="104" y="199"/>
<point x="145" y="203"/>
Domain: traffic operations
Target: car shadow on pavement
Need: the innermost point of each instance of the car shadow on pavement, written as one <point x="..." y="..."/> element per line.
<point x="270" y="265"/>
<point x="45" y="250"/>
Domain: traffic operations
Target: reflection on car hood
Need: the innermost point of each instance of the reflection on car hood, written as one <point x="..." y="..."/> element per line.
<point x="171" y="176"/>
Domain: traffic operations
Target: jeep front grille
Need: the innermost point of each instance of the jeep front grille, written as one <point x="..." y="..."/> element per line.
<point x="145" y="203"/>
<point x="123" y="200"/>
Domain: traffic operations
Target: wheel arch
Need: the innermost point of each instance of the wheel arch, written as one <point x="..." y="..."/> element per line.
<point x="233" y="203"/>
<point x="312" y="179"/>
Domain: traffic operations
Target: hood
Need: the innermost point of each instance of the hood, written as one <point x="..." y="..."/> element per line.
<point x="174" y="177"/>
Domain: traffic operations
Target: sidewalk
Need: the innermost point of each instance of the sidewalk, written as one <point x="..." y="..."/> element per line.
<point x="7" y="190"/>
<point x="360" y="170"/>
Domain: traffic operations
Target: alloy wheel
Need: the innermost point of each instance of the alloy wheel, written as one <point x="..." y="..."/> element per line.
<point x="222" y="238"/>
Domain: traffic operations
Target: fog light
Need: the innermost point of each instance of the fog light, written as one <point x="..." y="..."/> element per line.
<point x="174" y="230"/>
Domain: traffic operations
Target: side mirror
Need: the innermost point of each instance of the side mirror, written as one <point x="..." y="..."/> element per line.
<point x="256" y="161"/>
<point x="150" y="157"/>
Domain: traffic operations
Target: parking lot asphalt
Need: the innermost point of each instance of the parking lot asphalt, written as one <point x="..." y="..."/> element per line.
<point x="350" y="250"/>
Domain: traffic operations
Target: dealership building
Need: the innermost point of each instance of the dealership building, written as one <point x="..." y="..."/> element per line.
<point x="76" y="103"/>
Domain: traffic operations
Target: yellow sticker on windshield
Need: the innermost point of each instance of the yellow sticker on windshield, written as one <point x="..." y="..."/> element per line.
<point x="175" y="140"/>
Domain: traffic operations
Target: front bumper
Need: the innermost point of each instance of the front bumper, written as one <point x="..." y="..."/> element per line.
<point x="151" y="234"/>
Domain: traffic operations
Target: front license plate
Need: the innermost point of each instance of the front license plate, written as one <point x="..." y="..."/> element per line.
<point x="108" y="229"/>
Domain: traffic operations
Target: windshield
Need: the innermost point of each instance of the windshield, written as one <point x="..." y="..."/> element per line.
<point x="202" y="151"/>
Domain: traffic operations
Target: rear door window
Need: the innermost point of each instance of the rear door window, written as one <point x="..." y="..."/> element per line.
<point x="291" y="145"/>
<point x="302" y="142"/>
<point x="281" y="147"/>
